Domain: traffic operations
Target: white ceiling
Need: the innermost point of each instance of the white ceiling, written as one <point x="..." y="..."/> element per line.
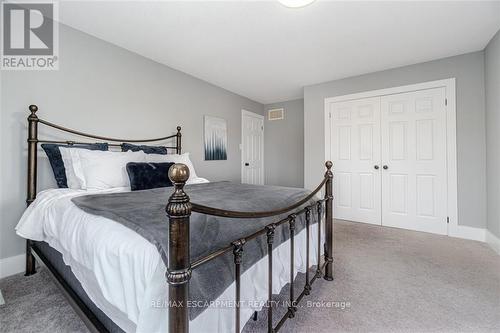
<point x="268" y="52"/>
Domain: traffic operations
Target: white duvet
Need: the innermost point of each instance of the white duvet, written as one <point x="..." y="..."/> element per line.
<point x="123" y="273"/>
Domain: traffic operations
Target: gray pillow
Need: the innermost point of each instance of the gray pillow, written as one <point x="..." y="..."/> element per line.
<point x="146" y="149"/>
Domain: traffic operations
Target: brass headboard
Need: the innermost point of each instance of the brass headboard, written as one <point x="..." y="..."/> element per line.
<point x="33" y="142"/>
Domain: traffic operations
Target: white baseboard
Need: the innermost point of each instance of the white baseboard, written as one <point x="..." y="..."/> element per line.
<point x="493" y="241"/>
<point x="465" y="232"/>
<point x="477" y="234"/>
<point x="12" y="265"/>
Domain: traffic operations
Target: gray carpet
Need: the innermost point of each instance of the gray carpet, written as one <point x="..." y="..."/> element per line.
<point x="386" y="280"/>
<point x="35" y="304"/>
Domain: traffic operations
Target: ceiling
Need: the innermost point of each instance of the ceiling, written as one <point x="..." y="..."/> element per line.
<point x="267" y="52"/>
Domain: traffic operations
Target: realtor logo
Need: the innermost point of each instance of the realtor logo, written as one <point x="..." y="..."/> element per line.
<point x="30" y="36"/>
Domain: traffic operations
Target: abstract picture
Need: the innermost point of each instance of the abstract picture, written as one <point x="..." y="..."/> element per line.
<point x="215" y="138"/>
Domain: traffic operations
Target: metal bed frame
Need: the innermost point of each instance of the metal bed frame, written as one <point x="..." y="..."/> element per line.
<point x="178" y="210"/>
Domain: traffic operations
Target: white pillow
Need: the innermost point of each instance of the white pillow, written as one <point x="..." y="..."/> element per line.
<point x="72" y="180"/>
<point x="98" y="170"/>
<point x="174" y="158"/>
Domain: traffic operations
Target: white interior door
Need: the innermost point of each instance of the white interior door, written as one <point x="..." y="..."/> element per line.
<point x="252" y="148"/>
<point x="414" y="188"/>
<point x="355" y="151"/>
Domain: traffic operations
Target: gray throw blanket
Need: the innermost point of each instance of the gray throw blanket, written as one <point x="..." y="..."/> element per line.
<point x="144" y="212"/>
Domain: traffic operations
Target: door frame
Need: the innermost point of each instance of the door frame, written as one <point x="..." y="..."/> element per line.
<point x="451" y="135"/>
<point x="242" y="163"/>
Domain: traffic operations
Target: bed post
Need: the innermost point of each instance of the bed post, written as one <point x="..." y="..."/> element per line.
<point x="329" y="222"/>
<point x="179" y="266"/>
<point x="32" y="175"/>
<point x="178" y="145"/>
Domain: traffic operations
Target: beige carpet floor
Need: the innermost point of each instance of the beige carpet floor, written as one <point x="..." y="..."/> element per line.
<point x="386" y="280"/>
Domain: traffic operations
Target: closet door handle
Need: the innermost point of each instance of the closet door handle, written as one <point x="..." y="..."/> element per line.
<point x="376" y="167"/>
<point x="385" y="167"/>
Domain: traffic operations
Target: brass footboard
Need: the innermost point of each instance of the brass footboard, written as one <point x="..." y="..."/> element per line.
<point x="179" y="270"/>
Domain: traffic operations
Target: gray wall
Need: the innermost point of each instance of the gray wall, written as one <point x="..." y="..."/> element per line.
<point x="284" y="145"/>
<point x="104" y="89"/>
<point x="468" y="70"/>
<point x="492" y="79"/>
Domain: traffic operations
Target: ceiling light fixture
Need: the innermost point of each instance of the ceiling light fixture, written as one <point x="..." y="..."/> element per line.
<point x="295" y="3"/>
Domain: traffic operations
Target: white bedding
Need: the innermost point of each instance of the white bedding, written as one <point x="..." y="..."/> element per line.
<point x="123" y="273"/>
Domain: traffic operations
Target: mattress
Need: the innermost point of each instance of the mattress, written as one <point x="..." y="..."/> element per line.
<point x="123" y="275"/>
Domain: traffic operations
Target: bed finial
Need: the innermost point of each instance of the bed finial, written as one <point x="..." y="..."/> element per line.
<point x="329" y="165"/>
<point x="33" y="108"/>
<point x="178" y="144"/>
<point x="178" y="173"/>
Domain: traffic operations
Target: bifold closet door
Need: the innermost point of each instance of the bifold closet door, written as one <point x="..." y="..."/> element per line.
<point x="355" y="151"/>
<point x="413" y="144"/>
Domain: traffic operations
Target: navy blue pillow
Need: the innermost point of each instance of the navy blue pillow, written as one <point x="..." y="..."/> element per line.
<point x="147" y="149"/>
<point x="56" y="162"/>
<point x="145" y="176"/>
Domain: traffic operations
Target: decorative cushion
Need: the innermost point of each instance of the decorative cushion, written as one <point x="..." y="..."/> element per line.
<point x="147" y="149"/>
<point x="145" y="176"/>
<point x="56" y="161"/>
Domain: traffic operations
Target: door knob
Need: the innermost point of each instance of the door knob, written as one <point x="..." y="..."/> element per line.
<point x="385" y="167"/>
<point x="247" y="164"/>
<point x="376" y="167"/>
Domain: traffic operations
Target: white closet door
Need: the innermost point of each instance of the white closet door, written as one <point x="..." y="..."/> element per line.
<point x="414" y="189"/>
<point x="355" y="151"/>
<point x="252" y="154"/>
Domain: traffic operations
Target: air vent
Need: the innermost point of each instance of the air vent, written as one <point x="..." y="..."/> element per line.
<point x="276" y="114"/>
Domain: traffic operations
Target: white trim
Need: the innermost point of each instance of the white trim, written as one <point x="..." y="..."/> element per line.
<point x="493" y="241"/>
<point x="451" y="138"/>
<point x="451" y="159"/>
<point x="466" y="232"/>
<point x="255" y="115"/>
<point x="252" y="114"/>
<point x="12" y="265"/>
<point x="392" y="90"/>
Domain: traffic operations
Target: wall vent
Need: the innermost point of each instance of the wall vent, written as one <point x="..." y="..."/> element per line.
<point x="276" y="114"/>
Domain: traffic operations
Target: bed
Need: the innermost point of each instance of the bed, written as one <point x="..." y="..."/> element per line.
<point x="224" y="249"/>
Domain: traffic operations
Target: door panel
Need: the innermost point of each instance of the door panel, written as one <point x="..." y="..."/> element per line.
<point x="366" y="189"/>
<point x="398" y="201"/>
<point x="355" y="150"/>
<point x="413" y="141"/>
<point x="344" y="190"/>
